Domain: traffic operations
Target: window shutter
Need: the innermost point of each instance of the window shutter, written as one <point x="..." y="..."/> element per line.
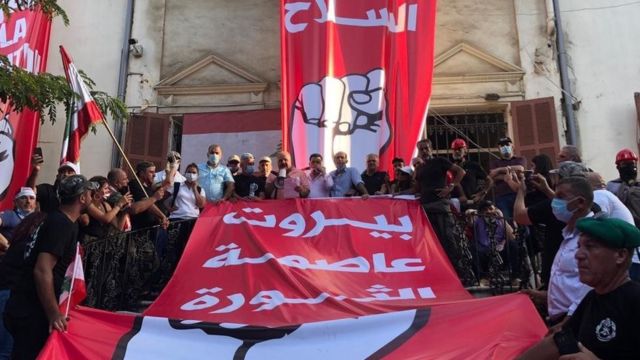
<point x="535" y="128"/>
<point x="147" y="139"/>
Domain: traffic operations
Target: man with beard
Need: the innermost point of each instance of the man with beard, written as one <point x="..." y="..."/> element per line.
<point x="46" y="193"/>
<point x="476" y="183"/>
<point x="32" y="310"/>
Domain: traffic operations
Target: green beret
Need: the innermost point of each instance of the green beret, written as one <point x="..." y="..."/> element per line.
<point x="615" y="233"/>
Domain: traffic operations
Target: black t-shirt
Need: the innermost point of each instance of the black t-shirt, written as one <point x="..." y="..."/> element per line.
<point x="374" y="182"/>
<point x="541" y="216"/>
<point x="432" y="175"/>
<point x="47" y="197"/>
<point x="145" y="218"/>
<point x="57" y="235"/>
<point x="500" y="187"/>
<point x="243" y="184"/>
<point x="470" y="182"/>
<point x="609" y="325"/>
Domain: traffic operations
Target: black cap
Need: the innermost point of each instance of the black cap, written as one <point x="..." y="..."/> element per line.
<point x="505" y="141"/>
<point x="75" y="185"/>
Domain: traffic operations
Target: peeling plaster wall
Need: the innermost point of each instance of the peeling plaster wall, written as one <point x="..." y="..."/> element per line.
<point x="603" y="50"/>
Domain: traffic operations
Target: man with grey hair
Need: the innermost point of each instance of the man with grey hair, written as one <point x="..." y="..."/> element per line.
<point x="569" y="153"/>
<point x="171" y="171"/>
<point x="541" y="214"/>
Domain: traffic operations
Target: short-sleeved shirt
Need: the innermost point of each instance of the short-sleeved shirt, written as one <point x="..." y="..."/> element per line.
<point x="431" y="176"/>
<point x="212" y="180"/>
<point x="565" y="288"/>
<point x="145" y="218"/>
<point x="474" y="174"/>
<point x="246" y="184"/>
<point x="185" y="203"/>
<point x="500" y="187"/>
<point x="546" y="225"/>
<point x="10" y="219"/>
<point x="609" y="324"/>
<point x="294" y="178"/>
<point x="57" y="235"/>
<point x="320" y="185"/>
<point x="373" y="183"/>
<point x="47" y="197"/>
<point x="344" y="180"/>
<point x="161" y="175"/>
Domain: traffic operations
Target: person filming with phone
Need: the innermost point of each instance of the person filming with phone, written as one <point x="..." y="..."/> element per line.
<point x="606" y="323"/>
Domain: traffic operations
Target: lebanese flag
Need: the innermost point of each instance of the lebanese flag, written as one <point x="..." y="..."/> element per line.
<point x="74" y="289"/>
<point x="84" y="112"/>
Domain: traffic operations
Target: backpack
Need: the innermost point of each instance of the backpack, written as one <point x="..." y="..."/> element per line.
<point x="176" y="188"/>
<point x="630" y="197"/>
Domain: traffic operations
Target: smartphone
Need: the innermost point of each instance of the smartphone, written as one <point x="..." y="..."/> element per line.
<point x="566" y="342"/>
<point x="38" y="151"/>
<point x="527" y="174"/>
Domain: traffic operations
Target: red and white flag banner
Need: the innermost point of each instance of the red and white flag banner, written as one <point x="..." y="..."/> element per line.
<point x="350" y="278"/>
<point x="74" y="288"/>
<point x="24" y="40"/>
<point x="356" y="77"/>
<point x="83" y="114"/>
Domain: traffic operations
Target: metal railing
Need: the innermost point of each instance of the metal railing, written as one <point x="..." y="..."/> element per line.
<point x="124" y="269"/>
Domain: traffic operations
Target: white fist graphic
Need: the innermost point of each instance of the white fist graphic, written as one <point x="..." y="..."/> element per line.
<point x="6" y="156"/>
<point x="347" y="114"/>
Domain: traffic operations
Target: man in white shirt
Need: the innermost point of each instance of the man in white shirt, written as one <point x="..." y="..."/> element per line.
<point x="171" y="170"/>
<point x="320" y="183"/>
<point x="573" y="201"/>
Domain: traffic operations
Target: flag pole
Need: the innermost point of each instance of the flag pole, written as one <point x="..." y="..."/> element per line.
<point x="73" y="279"/>
<point x="124" y="156"/>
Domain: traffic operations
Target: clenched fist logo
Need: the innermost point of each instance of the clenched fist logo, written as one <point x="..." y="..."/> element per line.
<point x="347" y="114"/>
<point x="6" y="156"/>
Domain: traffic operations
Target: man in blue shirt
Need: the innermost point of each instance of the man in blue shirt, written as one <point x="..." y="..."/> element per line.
<point x="214" y="178"/>
<point x="345" y="179"/>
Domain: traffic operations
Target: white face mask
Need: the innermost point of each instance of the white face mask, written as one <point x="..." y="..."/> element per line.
<point x="191" y="176"/>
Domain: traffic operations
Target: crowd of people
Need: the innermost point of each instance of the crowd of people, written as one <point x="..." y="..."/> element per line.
<point x="561" y="208"/>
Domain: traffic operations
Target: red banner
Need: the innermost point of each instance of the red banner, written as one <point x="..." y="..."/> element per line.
<point x="327" y="278"/>
<point x="24" y="40"/>
<point x="356" y="77"/>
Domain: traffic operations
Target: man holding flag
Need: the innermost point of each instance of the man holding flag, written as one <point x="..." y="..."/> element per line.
<point x="32" y="311"/>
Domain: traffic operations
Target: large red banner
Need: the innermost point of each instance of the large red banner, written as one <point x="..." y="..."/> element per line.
<point x="317" y="279"/>
<point x="24" y="40"/>
<point x="356" y="77"/>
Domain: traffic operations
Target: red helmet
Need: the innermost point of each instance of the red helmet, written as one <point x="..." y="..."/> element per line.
<point x="626" y="155"/>
<point x="457" y="144"/>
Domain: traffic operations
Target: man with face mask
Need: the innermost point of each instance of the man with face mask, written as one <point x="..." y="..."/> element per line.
<point x="572" y="201"/>
<point x="171" y="171"/>
<point x="214" y="177"/>
<point x="32" y="310"/>
<point x="247" y="185"/>
<point x="476" y="183"/>
<point x="504" y="196"/>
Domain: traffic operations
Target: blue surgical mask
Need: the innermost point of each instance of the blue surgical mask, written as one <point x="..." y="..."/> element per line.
<point x="506" y="150"/>
<point x="214" y="159"/>
<point x="250" y="169"/>
<point x="560" y="210"/>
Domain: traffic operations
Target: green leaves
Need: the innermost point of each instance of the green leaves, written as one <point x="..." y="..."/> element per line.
<point x="43" y="92"/>
<point x="48" y="7"/>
